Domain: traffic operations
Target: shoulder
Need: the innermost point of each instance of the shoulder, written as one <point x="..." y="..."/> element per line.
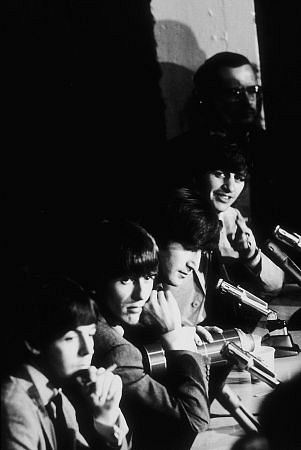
<point x="15" y="391"/>
<point x="19" y="410"/>
<point x="111" y="347"/>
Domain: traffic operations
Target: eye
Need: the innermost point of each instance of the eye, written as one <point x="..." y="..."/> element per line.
<point x="150" y="277"/>
<point x="219" y="174"/>
<point x="70" y="336"/>
<point x="126" y="281"/>
<point x="240" y="177"/>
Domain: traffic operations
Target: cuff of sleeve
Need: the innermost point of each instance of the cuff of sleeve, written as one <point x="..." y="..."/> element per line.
<point x="180" y="339"/>
<point x="113" y="435"/>
<point x="255" y="260"/>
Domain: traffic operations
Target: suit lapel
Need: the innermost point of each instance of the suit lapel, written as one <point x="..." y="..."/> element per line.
<point x="47" y="426"/>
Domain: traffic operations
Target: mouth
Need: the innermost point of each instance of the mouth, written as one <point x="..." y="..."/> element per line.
<point x="135" y="309"/>
<point x="184" y="274"/>
<point x="223" y="198"/>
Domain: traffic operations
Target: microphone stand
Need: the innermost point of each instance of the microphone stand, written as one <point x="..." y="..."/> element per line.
<point x="232" y="403"/>
<point x="245" y="360"/>
<point x="292" y="240"/>
<point x="282" y="342"/>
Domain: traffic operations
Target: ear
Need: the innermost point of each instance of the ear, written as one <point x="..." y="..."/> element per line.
<point x="32" y="349"/>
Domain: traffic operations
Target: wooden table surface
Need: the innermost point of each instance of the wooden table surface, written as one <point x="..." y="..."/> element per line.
<point x="224" y="429"/>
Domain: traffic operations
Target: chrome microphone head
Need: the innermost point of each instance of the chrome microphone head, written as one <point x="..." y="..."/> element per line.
<point x="291" y="239"/>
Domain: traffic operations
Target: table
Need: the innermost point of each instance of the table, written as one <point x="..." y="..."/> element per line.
<point x="224" y="430"/>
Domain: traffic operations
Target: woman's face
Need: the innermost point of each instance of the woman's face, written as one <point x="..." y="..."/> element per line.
<point x="126" y="297"/>
<point x="223" y="188"/>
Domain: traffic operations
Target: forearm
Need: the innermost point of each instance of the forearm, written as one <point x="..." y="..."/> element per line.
<point x="184" y="398"/>
<point x="269" y="276"/>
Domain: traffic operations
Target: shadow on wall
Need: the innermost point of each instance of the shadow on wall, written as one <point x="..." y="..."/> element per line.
<point x="179" y="56"/>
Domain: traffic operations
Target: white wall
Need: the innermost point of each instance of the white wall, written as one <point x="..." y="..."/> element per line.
<point x="190" y="31"/>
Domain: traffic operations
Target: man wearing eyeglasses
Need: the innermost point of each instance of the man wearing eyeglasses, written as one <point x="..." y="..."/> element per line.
<point x="228" y="94"/>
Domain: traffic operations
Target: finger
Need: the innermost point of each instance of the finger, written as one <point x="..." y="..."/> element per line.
<point x="204" y="334"/>
<point x="153" y="304"/>
<point x="103" y="384"/>
<point x="163" y="301"/>
<point x="170" y="297"/>
<point x="115" y="389"/>
<point x="93" y="373"/>
<point x="214" y="329"/>
<point x="241" y="225"/>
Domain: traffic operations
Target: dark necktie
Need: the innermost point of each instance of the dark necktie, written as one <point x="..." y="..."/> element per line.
<point x="56" y="414"/>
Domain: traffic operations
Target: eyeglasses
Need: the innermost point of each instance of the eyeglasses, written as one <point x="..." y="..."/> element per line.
<point x="237" y="93"/>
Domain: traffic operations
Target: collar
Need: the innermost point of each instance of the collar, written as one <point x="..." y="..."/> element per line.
<point x="45" y="389"/>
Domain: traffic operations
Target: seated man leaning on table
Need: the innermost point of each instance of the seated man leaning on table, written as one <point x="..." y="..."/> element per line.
<point x="58" y="328"/>
<point x="161" y="414"/>
<point x="194" y="287"/>
<point x="184" y="226"/>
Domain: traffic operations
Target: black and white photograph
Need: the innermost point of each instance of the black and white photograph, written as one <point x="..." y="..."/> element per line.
<point x="152" y="232"/>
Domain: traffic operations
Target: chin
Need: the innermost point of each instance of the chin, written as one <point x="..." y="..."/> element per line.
<point x="177" y="283"/>
<point x="222" y="209"/>
<point x="132" y="320"/>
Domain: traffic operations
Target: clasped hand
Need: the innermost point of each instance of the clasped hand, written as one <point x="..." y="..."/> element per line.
<point x="163" y="310"/>
<point x="103" y="390"/>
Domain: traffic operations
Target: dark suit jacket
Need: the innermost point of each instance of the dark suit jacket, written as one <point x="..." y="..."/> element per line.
<point x="165" y="414"/>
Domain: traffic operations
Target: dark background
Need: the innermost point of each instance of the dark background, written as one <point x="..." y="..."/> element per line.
<point x="278" y="27"/>
<point x="84" y="123"/>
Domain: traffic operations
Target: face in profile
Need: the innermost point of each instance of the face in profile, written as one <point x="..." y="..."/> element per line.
<point x="223" y="188"/>
<point x="176" y="263"/>
<point x="237" y="99"/>
<point x="126" y="297"/>
<point x="71" y="352"/>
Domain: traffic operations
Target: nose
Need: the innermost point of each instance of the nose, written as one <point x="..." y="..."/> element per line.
<point x="142" y="289"/>
<point x="86" y="345"/>
<point x="248" y="98"/>
<point x="229" y="183"/>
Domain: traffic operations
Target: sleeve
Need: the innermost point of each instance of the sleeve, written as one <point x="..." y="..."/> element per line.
<point x="182" y="399"/>
<point x="114" y="436"/>
<point x="271" y="276"/>
<point x="268" y="276"/>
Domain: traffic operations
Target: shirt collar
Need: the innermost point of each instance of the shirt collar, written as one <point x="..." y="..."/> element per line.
<point x="45" y="389"/>
<point x="221" y="218"/>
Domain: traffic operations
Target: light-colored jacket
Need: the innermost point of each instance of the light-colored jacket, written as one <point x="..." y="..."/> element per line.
<point x="25" y="423"/>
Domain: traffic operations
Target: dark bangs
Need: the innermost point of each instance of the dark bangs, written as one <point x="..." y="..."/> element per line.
<point x="140" y="260"/>
<point x="80" y="313"/>
<point x="230" y="160"/>
<point x="125" y="249"/>
<point x="220" y="153"/>
<point x="56" y="307"/>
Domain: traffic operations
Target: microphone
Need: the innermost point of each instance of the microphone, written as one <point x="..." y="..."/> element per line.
<point x="246" y="360"/>
<point x="244" y="296"/>
<point x="232" y="403"/>
<point x="291" y="239"/>
<point x="154" y="358"/>
<point x="282" y="260"/>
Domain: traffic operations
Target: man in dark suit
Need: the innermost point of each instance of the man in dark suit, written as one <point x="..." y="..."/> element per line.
<point x="165" y="413"/>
